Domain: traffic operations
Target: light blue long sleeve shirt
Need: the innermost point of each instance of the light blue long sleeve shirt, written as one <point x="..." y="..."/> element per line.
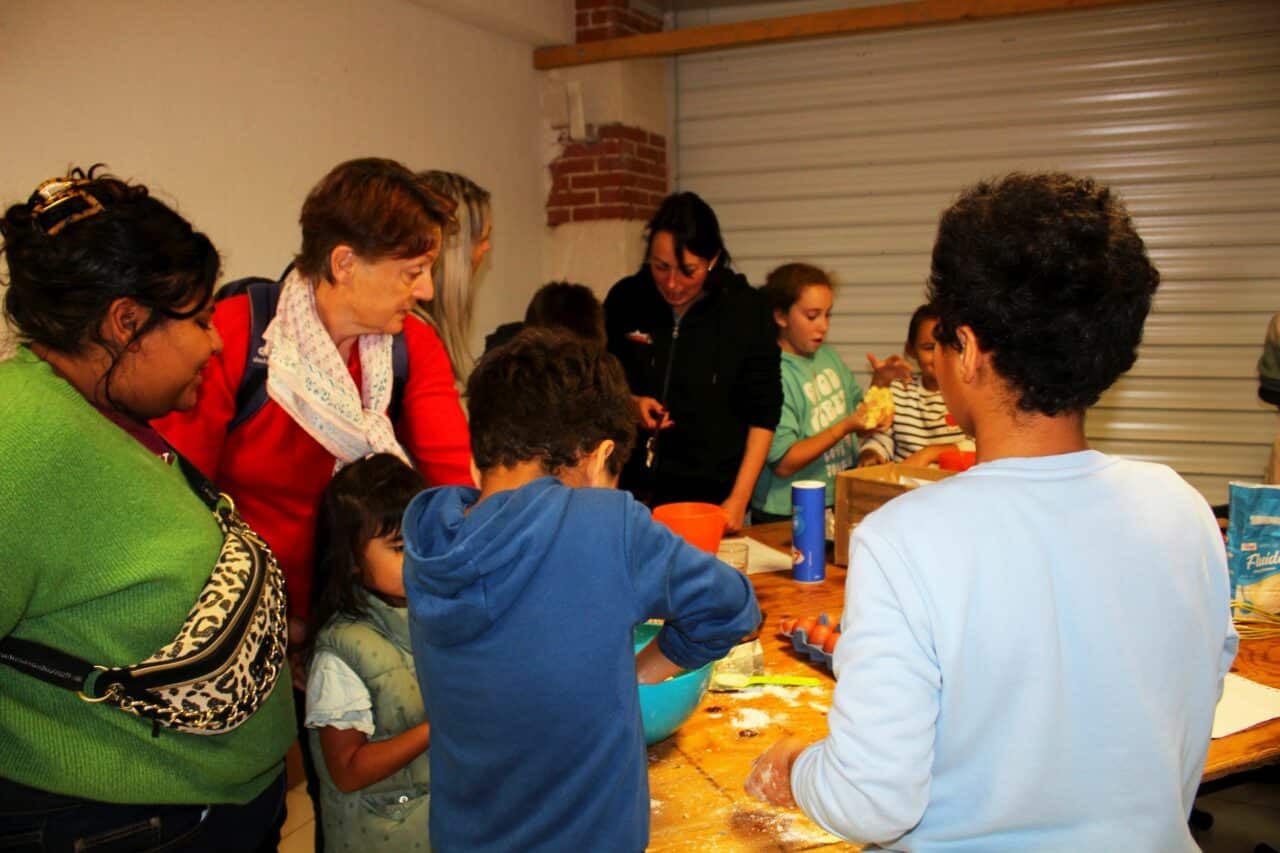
<point x="1031" y="658"/>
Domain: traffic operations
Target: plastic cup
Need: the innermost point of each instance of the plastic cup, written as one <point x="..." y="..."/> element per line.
<point x="700" y="524"/>
<point x="808" y="531"/>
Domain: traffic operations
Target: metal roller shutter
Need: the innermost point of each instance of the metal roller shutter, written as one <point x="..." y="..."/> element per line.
<point x="843" y="151"/>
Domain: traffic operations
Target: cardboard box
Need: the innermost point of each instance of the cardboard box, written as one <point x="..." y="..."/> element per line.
<point x="861" y="490"/>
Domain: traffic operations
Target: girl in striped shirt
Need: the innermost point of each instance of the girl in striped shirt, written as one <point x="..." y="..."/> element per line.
<point x="920" y="431"/>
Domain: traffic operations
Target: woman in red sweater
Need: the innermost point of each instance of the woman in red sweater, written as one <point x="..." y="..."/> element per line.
<point x="370" y="233"/>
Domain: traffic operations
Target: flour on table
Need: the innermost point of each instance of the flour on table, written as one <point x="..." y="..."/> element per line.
<point x="754" y="718"/>
<point x="790" y="695"/>
<point x="781" y="827"/>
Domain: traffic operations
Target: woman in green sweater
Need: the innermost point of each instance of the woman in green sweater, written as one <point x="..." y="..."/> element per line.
<point x="108" y="544"/>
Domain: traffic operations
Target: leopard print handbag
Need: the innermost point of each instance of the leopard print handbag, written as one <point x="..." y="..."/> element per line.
<point x="223" y="663"/>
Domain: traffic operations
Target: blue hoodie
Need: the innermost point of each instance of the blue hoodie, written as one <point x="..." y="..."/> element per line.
<point x="521" y="614"/>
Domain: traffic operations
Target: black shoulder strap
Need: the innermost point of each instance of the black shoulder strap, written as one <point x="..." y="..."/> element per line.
<point x="251" y="395"/>
<point x="45" y="663"/>
<point x="399" y="376"/>
<point x="203" y="487"/>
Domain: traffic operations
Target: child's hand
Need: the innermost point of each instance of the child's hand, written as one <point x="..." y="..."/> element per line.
<point x="928" y="454"/>
<point x="870" y="457"/>
<point x="884" y="372"/>
<point x="770" y="777"/>
<point x="875" y="412"/>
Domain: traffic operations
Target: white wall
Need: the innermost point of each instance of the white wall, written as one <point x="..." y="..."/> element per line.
<point x="232" y="110"/>
<point x="635" y="92"/>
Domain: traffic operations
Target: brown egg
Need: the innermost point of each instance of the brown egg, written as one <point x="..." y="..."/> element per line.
<point x="819" y="634"/>
<point x="830" y="645"/>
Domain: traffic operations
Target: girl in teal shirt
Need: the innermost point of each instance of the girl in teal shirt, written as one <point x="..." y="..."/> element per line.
<point x="817" y="434"/>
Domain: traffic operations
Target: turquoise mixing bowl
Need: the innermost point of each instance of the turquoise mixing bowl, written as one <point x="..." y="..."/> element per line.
<point x="665" y="706"/>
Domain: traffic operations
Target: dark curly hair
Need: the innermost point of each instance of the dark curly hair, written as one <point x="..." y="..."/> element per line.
<point x="363" y="501"/>
<point x="549" y="396"/>
<point x="377" y="207"/>
<point x="1050" y="274"/>
<point x="61" y="283"/>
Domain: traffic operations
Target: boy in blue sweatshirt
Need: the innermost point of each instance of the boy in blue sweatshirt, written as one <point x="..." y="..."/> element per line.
<point x="523" y="595"/>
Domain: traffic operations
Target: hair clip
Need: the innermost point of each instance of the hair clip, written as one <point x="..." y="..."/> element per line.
<point x="60" y="202"/>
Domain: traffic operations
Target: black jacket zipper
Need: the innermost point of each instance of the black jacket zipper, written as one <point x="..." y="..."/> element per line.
<point x="651" y="446"/>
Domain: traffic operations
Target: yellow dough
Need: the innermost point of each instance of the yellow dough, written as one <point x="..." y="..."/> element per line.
<point x="877" y="406"/>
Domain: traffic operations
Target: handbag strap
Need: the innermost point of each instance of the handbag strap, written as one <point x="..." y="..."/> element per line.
<point x="61" y="669"/>
<point x="47" y="664"/>
<point x="199" y="483"/>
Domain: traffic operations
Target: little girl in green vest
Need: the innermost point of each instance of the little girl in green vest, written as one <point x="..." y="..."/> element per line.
<point x="817" y="433"/>
<point x="368" y="731"/>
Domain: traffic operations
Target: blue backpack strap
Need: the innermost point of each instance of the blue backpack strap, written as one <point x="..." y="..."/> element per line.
<point x="399" y="376"/>
<point x="251" y="395"/>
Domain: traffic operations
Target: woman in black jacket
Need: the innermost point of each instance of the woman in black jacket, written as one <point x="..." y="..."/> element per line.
<point x="701" y="356"/>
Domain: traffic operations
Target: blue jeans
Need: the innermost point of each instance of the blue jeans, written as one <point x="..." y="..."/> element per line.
<point x="50" y="823"/>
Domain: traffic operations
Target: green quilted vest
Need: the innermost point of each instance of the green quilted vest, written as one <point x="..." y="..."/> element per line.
<point x="391" y="814"/>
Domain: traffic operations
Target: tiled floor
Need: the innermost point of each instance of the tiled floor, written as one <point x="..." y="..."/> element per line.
<point x="298" y="833"/>
<point x="1245" y="814"/>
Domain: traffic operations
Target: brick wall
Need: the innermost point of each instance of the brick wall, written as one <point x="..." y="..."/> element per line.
<point x="606" y="19"/>
<point x="620" y="175"/>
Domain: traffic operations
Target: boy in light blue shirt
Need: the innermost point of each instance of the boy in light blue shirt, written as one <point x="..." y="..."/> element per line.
<point x="1033" y="649"/>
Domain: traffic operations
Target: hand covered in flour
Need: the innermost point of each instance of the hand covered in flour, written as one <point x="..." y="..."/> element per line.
<point x="770" y="777"/>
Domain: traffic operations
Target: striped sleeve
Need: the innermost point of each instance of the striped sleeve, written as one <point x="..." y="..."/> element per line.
<point x="919" y="420"/>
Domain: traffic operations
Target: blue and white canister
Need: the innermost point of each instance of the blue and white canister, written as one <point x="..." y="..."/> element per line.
<point x="808" y="531"/>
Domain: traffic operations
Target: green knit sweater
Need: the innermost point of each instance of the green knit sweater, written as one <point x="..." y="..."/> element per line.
<point x="103" y="550"/>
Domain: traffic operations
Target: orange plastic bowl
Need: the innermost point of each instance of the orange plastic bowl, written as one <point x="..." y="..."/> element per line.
<point x="957" y="460"/>
<point x="701" y="525"/>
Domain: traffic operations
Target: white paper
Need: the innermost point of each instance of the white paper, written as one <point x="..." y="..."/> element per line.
<point x="1244" y="704"/>
<point x="761" y="557"/>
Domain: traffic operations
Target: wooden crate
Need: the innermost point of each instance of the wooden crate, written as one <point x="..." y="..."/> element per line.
<point x="861" y="490"/>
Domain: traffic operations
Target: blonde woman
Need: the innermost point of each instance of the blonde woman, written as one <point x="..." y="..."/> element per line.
<point x="464" y="251"/>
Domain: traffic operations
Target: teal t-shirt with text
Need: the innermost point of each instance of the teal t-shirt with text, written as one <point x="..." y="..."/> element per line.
<point x="816" y="392"/>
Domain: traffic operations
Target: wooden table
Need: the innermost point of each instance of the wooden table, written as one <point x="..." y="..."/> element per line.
<point x="1257" y="660"/>
<point x="696" y="775"/>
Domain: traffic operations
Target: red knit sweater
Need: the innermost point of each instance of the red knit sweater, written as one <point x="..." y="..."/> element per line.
<point x="275" y="471"/>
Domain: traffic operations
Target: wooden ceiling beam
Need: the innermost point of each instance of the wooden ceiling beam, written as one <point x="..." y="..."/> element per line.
<point x="913" y="13"/>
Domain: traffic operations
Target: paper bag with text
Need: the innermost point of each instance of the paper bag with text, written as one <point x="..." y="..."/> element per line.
<point x="1253" y="546"/>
